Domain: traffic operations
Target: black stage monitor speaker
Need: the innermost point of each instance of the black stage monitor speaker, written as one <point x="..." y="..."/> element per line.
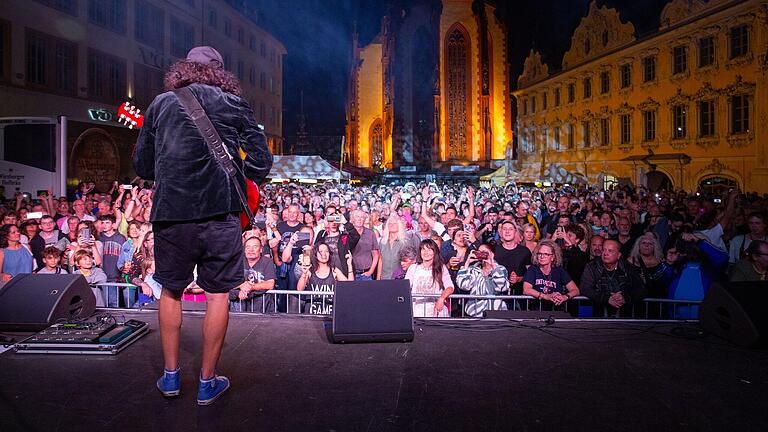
<point x="36" y="301"/>
<point x="373" y="311"/>
<point x="732" y="311"/>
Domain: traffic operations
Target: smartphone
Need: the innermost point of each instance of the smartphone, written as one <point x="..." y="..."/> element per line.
<point x="127" y="187"/>
<point x="301" y="235"/>
<point x="34" y="215"/>
<point x="260" y="218"/>
<point x="42" y="192"/>
<point x="716" y="200"/>
<point x="467" y="228"/>
<point x="481" y="255"/>
<point x="85" y="233"/>
<point x="333" y="218"/>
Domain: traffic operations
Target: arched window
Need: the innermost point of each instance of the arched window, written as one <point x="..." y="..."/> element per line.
<point x="717" y="185"/>
<point x="457" y="48"/>
<point x="376" y="137"/>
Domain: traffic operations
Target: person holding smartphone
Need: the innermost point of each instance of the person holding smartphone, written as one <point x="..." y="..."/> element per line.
<point x="481" y="275"/>
<point x="290" y="256"/>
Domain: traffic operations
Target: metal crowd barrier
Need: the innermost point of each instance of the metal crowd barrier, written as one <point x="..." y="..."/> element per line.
<point x="321" y="302"/>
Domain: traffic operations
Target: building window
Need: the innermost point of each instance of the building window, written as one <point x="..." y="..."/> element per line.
<point x="240" y="35"/>
<point x="649" y="125"/>
<point x="525" y="106"/>
<point x="37" y="59"/>
<point x="150" y="24"/>
<point x="240" y="70"/>
<point x="626" y="128"/>
<point x="739" y="41"/>
<point x="571" y="140"/>
<point x="626" y="75"/>
<point x="272" y="55"/>
<point x="587" y="46"/>
<point x="252" y="43"/>
<point x="587" y="88"/>
<point x="605" y="82"/>
<point x="707" y="118"/>
<point x="679" y="122"/>
<point x="649" y="69"/>
<point x="5" y="50"/>
<point x="679" y="59"/>
<point x="377" y="144"/>
<point x="109" y="14"/>
<point x="227" y="27"/>
<point x="106" y="77"/>
<point x="605" y="132"/>
<point x="51" y="62"/>
<point x="557" y="97"/>
<point x="263" y="81"/>
<point x="587" y="142"/>
<point x="212" y="18"/>
<point x="457" y="57"/>
<point x="532" y="142"/>
<point x="252" y="75"/>
<point x="66" y="6"/>
<point x="263" y="49"/>
<point x="544" y="101"/>
<point x="739" y="114"/>
<point x="533" y="104"/>
<point x="182" y="38"/>
<point x="706" y="51"/>
<point x="556" y="137"/>
<point x="571" y="92"/>
<point x="148" y="83"/>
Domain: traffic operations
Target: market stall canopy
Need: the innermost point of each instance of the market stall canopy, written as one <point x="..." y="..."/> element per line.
<point x="304" y="167"/>
<point x="498" y="177"/>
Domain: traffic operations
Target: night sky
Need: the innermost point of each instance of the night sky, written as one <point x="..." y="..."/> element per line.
<point x="317" y="35"/>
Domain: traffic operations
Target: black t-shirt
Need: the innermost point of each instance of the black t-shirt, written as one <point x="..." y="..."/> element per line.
<point x="320" y="304"/>
<point x="286" y="231"/>
<point x="514" y="260"/>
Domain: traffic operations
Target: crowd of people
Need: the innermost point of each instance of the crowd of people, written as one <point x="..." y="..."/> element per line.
<point x="614" y="247"/>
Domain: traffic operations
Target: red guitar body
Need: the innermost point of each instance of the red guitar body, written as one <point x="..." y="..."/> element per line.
<point x="252" y="190"/>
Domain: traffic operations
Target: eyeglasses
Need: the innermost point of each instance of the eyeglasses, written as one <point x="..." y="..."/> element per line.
<point x="544" y="254"/>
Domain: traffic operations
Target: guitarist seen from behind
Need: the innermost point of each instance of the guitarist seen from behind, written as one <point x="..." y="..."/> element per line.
<point x="196" y="205"/>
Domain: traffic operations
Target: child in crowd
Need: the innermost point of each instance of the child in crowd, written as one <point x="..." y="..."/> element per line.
<point x="150" y="288"/>
<point x="93" y="275"/>
<point x="51" y="261"/>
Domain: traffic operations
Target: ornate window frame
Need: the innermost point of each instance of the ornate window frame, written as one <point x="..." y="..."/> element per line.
<point x="647" y="107"/>
<point x="644" y="57"/>
<point x="707" y="93"/>
<point x="684" y="101"/>
<point x="625" y="110"/>
<point x="740" y="88"/>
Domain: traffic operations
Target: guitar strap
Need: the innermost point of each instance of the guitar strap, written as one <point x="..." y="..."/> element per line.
<point x="215" y="145"/>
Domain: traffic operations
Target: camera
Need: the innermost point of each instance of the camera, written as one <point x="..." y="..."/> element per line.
<point x="333" y="218"/>
<point x="127" y="187"/>
<point x="481" y="255"/>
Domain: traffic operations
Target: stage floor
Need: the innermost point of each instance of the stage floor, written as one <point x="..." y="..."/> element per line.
<point x="287" y="376"/>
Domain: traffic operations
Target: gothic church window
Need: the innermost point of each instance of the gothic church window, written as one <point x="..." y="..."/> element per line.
<point x="457" y="59"/>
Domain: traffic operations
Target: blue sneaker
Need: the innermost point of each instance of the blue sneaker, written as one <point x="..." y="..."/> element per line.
<point x="169" y="383"/>
<point x="209" y="390"/>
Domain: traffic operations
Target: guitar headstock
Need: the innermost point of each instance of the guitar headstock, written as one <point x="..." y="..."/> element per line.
<point x="130" y="116"/>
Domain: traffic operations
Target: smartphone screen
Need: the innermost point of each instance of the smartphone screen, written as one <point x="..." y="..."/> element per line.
<point x="85" y="233"/>
<point x="302" y="235"/>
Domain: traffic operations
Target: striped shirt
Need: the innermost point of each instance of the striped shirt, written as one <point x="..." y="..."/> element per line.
<point x="477" y="283"/>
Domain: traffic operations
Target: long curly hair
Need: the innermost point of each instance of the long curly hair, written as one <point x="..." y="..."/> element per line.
<point x="184" y="73"/>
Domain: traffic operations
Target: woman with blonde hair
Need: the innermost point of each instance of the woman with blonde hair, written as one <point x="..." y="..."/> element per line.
<point x="393" y="239"/>
<point x="546" y="279"/>
<point x="648" y="258"/>
<point x="529" y="237"/>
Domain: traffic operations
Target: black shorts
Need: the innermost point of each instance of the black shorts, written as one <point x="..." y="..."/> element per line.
<point x="213" y="244"/>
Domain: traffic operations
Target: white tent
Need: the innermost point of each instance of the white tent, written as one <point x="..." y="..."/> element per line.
<point x="304" y="167"/>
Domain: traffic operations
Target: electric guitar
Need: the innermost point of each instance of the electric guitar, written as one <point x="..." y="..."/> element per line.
<point x="252" y="192"/>
<point x="130" y="116"/>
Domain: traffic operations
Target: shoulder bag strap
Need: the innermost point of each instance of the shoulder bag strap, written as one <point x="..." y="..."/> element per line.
<point x="215" y="145"/>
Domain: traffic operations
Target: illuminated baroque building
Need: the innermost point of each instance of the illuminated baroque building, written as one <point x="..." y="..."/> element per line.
<point x="83" y="58"/>
<point x="431" y="91"/>
<point x="685" y="106"/>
